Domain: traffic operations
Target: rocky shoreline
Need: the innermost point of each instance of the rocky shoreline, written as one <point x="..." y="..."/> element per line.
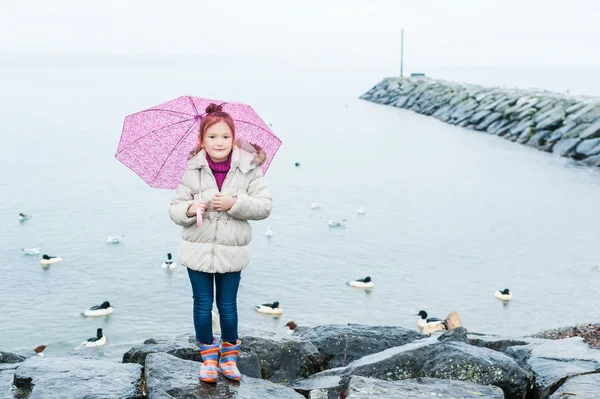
<point x="330" y="361"/>
<point x="551" y="122"/>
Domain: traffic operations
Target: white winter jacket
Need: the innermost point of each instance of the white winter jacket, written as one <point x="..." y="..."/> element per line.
<point x="221" y="244"/>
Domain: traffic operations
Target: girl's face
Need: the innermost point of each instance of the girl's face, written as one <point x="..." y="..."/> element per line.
<point x="218" y="141"/>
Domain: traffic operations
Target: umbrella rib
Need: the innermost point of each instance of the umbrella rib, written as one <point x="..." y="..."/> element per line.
<point x="163" y="110"/>
<point x="173" y="149"/>
<point x="193" y="105"/>
<point x="149" y="133"/>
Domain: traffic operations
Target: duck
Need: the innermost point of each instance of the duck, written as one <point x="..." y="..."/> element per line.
<point x="30" y="251"/>
<point x="315" y="205"/>
<point x="362" y="283"/>
<point x="269" y="232"/>
<point x="49" y="260"/>
<point x="96" y="341"/>
<point x="99" y="310"/>
<point x="425" y="321"/>
<point x="39" y="350"/>
<point x="114" y="239"/>
<point x="269" y="308"/>
<point x="169" y="263"/>
<point x="297" y="164"/>
<point x="361" y="211"/>
<point x="23" y="217"/>
<point x="504" y="295"/>
<point x="336" y="223"/>
<point x="293" y="328"/>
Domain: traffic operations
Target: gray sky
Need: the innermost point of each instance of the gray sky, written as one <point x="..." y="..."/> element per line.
<point x="437" y="32"/>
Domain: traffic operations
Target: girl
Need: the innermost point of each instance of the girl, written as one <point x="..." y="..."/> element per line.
<point x="223" y="187"/>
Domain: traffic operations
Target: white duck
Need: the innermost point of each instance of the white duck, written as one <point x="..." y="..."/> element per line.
<point x="361" y="211"/>
<point x="99" y="310"/>
<point x="50" y="260"/>
<point x="23" y="217"/>
<point x="336" y="223"/>
<point x="425" y="321"/>
<point x="315" y="205"/>
<point x="269" y="232"/>
<point x="269" y="308"/>
<point x="114" y="239"/>
<point x="31" y="251"/>
<point x="504" y="295"/>
<point x="169" y="263"/>
<point x="98" y="340"/>
<point x="362" y="283"/>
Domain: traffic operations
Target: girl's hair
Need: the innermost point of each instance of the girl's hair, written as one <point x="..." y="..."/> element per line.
<point x="213" y="114"/>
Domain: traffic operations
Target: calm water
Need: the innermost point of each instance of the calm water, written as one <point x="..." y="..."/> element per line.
<point x="452" y="215"/>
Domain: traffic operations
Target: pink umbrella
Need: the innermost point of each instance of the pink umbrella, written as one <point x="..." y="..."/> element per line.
<point x="156" y="143"/>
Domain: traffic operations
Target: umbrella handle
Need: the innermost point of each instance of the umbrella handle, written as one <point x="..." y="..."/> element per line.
<point x="199" y="196"/>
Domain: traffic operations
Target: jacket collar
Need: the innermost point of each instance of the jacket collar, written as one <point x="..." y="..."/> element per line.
<point x="240" y="159"/>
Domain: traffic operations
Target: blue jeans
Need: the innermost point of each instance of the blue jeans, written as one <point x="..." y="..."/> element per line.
<point x="202" y="289"/>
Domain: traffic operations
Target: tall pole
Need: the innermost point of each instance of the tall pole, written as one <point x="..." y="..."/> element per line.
<point x="402" y="53"/>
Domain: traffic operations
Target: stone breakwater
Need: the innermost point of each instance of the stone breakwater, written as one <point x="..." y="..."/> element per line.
<point x="330" y="361"/>
<point x="552" y="122"/>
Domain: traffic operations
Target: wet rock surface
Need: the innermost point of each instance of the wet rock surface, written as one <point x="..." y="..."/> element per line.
<point x="169" y="377"/>
<point x="340" y="345"/>
<point x="76" y="377"/>
<point x="425" y="388"/>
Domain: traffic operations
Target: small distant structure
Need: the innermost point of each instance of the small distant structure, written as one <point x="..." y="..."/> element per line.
<point x="413" y="74"/>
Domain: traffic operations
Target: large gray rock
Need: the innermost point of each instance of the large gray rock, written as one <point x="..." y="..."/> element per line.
<point x="6" y="381"/>
<point x="170" y="377"/>
<point x="594" y="160"/>
<point x="328" y="380"/>
<point x="592" y="131"/>
<point x="498" y="343"/>
<point x="7" y="357"/>
<point x="555" y="361"/>
<point x="181" y="346"/>
<point x="565" y="147"/>
<point x="339" y="345"/>
<point x="185" y="347"/>
<point x="447" y="360"/>
<point x="75" y="377"/>
<point x="539" y="138"/>
<point x="581" y="387"/>
<point x="283" y="359"/>
<point x="425" y="388"/>
<point x="588" y="147"/>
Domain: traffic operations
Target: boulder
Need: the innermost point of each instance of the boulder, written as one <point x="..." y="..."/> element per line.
<point x="283" y="360"/>
<point x="539" y="138"/>
<point x="497" y="343"/>
<point x="76" y="377"/>
<point x="556" y="361"/>
<point x="353" y="341"/>
<point x="565" y="147"/>
<point x="581" y="387"/>
<point x="415" y="388"/>
<point x="594" y="160"/>
<point x="588" y="147"/>
<point x="7" y="357"/>
<point x="170" y="377"/>
<point x="592" y="131"/>
<point x="447" y="360"/>
<point x="181" y="346"/>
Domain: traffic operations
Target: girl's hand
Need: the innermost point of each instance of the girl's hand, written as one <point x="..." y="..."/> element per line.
<point x="196" y="207"/>
<point x="222" y="202"/>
